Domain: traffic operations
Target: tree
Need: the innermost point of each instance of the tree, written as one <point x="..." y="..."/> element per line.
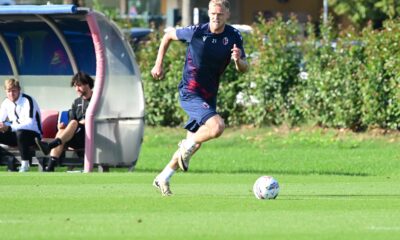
<point x="360" y="12"/>
<point x="79" y="3"/>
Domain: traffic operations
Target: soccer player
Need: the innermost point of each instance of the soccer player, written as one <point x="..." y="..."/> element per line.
<point x="19" y="123"/>
<point x="73" y="133"/>
<point x="211" y="47"/>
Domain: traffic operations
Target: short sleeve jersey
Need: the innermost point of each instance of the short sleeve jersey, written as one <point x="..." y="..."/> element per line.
<point x="207" y="57"/>
<point x="78" y="109"/>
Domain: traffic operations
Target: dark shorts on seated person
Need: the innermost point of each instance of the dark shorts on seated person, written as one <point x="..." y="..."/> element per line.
<point x="76" y="142"/>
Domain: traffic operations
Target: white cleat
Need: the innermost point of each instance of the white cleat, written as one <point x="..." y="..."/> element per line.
<point x="163" y="186"/>
<point x="184" y="156"/>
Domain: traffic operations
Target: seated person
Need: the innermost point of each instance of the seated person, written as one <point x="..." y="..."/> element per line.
<point x="19" y="124"/>
<point x="72" y="134"/>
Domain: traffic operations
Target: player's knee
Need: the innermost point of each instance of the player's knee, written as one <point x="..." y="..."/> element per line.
<point x="73" y="123"/>
<point x="218" y="129"/>
<point x="197" y="146"/>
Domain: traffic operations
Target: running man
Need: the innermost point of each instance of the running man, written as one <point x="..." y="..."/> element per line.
<point x="211" y="48"/>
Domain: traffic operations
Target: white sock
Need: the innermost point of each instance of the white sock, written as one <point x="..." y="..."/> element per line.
<point x="24" y="164"/>
<point x="166" y="173"/>
<point x="189" y="143"/>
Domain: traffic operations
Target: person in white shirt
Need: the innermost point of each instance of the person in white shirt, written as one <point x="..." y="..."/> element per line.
<point x="20" y="122"/>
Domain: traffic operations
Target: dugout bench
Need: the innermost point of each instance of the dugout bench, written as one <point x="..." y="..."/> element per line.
<point x="43" y="46"/>
<point x="71" y="158"/>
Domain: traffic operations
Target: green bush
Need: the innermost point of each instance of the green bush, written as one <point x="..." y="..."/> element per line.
<point x="352" y="78"/>
<point x="161" y="96"/>
<point x="274" y="56"/>
<point x="333" y="62"/>
<point x="381" y="85"/>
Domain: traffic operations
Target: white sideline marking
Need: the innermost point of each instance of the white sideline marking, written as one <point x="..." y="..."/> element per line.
<point x="11" y="221"/>
<point x="384" y="228"/>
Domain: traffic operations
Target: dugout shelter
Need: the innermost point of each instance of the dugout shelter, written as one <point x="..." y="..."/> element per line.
<point x="44" y="46"/>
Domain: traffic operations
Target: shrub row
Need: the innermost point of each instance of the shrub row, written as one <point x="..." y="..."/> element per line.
<point x="338" y="78"/>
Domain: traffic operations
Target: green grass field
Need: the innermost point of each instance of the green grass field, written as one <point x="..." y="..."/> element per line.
<point x="333" y="186"/>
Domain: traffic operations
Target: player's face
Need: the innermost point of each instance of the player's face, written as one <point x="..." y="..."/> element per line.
<point x="13" y="94"/>
<point x="218" y="17"/>
<point x="83" y="90"/>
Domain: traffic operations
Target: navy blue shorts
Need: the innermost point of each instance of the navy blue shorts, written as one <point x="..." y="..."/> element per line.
<point x="198" y="109"/>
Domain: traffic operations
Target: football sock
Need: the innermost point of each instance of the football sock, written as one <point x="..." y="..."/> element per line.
<point x="166" y="173"/>
<point x="53" y="158"/>
<point x="24" y="163"/>
<point x="189" y="143"/>
<point x="56" y="142"/>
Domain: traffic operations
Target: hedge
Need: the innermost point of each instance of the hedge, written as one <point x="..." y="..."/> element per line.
<point x="336" y="78"/>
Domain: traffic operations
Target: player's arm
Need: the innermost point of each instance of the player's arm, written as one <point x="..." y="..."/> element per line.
<point x="240" y="63"/>
<point x="3" y="116"/>
<point x="157" y="72"/>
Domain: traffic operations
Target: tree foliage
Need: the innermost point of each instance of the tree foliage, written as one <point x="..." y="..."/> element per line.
<point x="360" y="12"/>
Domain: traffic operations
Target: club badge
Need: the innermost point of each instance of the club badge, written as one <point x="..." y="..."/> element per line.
<point x="205" y="105"/>
<point x="225" y="41"/>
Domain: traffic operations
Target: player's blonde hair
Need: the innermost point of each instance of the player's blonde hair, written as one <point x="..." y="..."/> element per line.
<point x="11" y="83"/>
<point x="223" y="3"/>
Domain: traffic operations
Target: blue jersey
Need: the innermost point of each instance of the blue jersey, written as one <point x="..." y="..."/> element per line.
<point x="207" y="57"/>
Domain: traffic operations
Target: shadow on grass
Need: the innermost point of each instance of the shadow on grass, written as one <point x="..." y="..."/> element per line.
<point x="338" y="196"/>
<point x="266" y="171"/>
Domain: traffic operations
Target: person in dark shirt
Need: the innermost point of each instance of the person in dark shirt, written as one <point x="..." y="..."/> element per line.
<point x="211" y="47"/>
<point x="71" y="134"/>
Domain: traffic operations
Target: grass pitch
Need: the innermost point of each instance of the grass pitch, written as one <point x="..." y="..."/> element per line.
<point x="280" y="151"/>
<point x="334" y="185"/>
<point x="204" y="206"/>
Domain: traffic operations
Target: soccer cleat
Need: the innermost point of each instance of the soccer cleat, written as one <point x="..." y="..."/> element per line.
<point x="11" y="162"/>
<point x="43" y="146"/>
<point x="163" y="186"/>
<point x="184" y="156"/>
<point x="51" y="166"/>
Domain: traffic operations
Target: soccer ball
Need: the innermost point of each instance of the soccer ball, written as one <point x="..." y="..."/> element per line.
<point x="266" y="187"/>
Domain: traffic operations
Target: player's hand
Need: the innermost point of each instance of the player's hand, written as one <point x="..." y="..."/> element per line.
<point x="157" y="72"/>
<point x="3" y="128"/>
<point x="61" y="125"/>
<point x="236" y="53"/>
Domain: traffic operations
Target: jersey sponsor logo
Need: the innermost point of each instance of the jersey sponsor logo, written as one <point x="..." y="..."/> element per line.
<point x="225" y="41"/>
<point x="205" y="105"/>
<point x="214" y="40"/>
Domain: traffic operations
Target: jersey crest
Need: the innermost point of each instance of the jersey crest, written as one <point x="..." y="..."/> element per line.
<point x="225" y="41"/>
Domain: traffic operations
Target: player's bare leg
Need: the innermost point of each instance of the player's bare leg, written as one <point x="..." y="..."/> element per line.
<point x="64" y="135"/>
<point x="56" y="147"/>
<point x="213" y="128"/>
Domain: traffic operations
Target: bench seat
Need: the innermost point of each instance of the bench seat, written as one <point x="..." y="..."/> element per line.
<point x="50" y="119"/>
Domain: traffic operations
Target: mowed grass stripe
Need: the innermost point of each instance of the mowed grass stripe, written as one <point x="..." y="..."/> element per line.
<point x="315" y="151"/>
<point x="211" y="206"/>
